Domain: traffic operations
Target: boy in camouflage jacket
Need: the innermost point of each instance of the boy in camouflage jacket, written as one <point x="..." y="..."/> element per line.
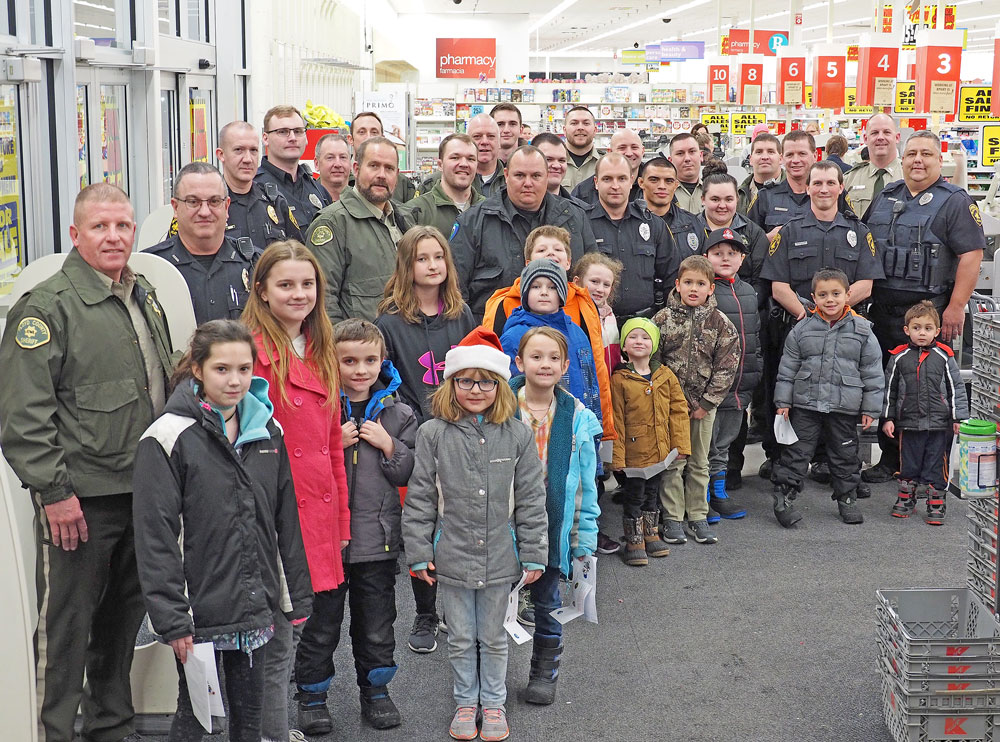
<point x="701" y="346"/>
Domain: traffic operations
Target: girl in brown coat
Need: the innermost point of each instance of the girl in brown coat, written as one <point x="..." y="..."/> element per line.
<point x="651" y="415"/>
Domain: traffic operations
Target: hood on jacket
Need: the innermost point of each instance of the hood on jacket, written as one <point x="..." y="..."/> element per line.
<point x="382" y="389"/>
<point x="557" y="320"/>
<point x="255" y="409"/>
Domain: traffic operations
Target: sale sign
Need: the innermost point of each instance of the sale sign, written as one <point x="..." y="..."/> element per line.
<point x="995" y="105"/>
<point x="939" y="63"/>
<point x="720" y="119"/>
<point x="829" y="77"/>
<point x="751" y="83"/>
<point x="718" y="83"/>
<point x="791" y="81"/>
<point x="991" y="145"/>
<point x="466" y="58"/>
<point x="877" y="67"/>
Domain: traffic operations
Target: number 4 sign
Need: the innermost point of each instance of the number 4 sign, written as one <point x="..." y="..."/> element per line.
<point x="877" y="67"/>
<point x="939" y="65"/>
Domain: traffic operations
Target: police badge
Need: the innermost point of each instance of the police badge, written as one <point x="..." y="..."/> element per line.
<point x="852" y="238"/>
<point x="314" y="200"/>
<point x="644" y="231"/>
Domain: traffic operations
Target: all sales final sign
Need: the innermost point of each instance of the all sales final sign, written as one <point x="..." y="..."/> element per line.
<point x="466" y="58"/>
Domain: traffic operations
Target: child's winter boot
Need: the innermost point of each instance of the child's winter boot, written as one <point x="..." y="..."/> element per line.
<point x="635" y="543"/>
<point x="720" y="501"/>
<point x="935" y="506"/>
<point x="906" y="500"/>
<point x="655" y="546"/>
<point x="545" y="656"/>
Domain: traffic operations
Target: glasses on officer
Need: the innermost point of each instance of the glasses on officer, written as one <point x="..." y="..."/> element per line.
<point x="215" y="202"/>
<point x="485" y="385"/>
<point x="285" y="131"/>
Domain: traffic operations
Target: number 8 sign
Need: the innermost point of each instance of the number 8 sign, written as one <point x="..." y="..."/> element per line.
<point x="751" y="84"/>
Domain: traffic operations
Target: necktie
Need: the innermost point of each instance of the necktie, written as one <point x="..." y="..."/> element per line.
<point x="879" y="182"/>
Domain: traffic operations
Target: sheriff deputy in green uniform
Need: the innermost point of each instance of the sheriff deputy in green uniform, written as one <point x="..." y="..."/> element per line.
<point x="355" y="238"/>
<point x="453" y="194"/>
<point x="86" y="354"/>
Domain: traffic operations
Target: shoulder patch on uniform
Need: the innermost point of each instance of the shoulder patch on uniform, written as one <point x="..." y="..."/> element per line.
<point x="976" y="216"/>
<point x="291" y="218"/>
<point x="871" y="244"/>
<point x="32" y="333"/>
<point x="321" y="235"/>
<point x="454" y="231"/>
<point x="172" y="229"/>
<point x="775" y="244"/>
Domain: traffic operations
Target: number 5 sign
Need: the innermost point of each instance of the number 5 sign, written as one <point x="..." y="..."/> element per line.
<point x="791" y="81"/>
<point x="718" y="83"/>
<point x="939" y="66"/>
<point x="829" y="77"/>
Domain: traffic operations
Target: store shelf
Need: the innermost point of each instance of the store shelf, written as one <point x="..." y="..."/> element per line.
<point x="434" y="119"/>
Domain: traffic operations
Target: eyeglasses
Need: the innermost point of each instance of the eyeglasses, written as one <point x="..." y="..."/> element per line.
<point x="215" y="202"/>
<point x="284" y="132"/>
<point x="485" y="385"/>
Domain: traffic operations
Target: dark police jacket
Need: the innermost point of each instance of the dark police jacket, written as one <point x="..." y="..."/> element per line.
<point x="218" y="292"/>
<point x="776" y="203"/>
<point x="642" y="242"/>
<point x="305" y="194"/>
<point x="488" y="243"/>
<point x="263" y="215"/>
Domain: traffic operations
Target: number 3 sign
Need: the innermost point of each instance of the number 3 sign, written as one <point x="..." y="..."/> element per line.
<point x="939" y="66"/>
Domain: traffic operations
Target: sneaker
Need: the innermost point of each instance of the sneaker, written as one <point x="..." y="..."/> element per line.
<point x="881" y="472"/>
<point x="442" y="626"/>
<point x="423" y="635"/>
<point x="494" y="726"/>
<point x="294" y="735"/>
<point x="463" y="725"/>
<point x="606" y="544"/>
<point x="934" y="516"/>
<point x="525" y="609"/>
<point x="700" y="532"/>
<point x="850" y="513"/>
<point x="673" y="532"/>
<point x="820" y="472"/>
<point x="764" y="472"/>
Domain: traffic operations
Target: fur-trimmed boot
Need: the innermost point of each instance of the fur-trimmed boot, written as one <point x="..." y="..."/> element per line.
<point x="655" y="546"/>
<point x="635" y="543"/>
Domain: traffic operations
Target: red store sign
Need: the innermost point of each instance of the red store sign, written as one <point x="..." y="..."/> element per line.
<point x="466" y="58"/>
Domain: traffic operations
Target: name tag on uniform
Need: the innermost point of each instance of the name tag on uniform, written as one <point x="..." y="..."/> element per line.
<point x="858" y="187"/>
<point x="800" y="244"/>
<point x="600" y="239"/>
<point x="780" y="208"/>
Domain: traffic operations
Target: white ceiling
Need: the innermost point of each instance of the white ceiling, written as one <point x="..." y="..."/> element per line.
<point x="627" y="21"/>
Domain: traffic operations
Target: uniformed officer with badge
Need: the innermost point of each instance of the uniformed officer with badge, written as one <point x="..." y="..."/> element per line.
<point x="85" y="356"/>
<point x="216" y="268"/>
<point x="930" y="239"/>
<point x="355" y="239"/>
<point x="629" y="232"/>
<point x="658" y="181"/>
<point x="779" y="201"/>
<point x="259" y="212"/>
<point x="285" y="140"/>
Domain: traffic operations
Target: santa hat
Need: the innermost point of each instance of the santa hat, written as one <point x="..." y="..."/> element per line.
<point x="479" y="349"/>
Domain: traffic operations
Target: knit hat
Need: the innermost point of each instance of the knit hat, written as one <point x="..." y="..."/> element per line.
<point x="727" y="235"/>
<point x="544" y="268"/>
<point x="479" y="349"/>
<point x="641" y="323"/>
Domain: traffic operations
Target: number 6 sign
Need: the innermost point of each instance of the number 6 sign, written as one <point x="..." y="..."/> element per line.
<point x="792" y="81"/>
<point x="829" y="77"/>
<point x="939" y="65"/>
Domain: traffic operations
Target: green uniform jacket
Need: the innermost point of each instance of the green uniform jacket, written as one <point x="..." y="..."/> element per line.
<point x="435" y="209"/>
<point x="357" y="254"/>
<point x="403" y="192"/>
<point x="75" y="397"/>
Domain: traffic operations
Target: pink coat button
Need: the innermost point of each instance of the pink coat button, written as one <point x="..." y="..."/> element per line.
<point x="297" y="401"/>
<point x="325" y="450"/>
<point x="302" y="502"/>
<point x="327" y="497"/>
<point x="297" y="453"/>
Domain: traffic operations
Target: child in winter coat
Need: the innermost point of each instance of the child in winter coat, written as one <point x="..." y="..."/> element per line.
<point x="830" y="372"/>
<point x="564" y="432"/>
<point x="925" y="397"/>
<point x="600" y="275"/>
<point x="701" y="346"/>
<point x="218" y="543"/>
<point x="651" y="414"/>
<point x="475" y="520"/>
<point x="295" y="354"/>
<point x="545" y="288"/>
<point x="422" y="317"/>
<point x="737" y="299"/>
<point x="378" y="435"/>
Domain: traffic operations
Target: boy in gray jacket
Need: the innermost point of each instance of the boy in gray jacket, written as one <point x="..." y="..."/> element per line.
<point x="830" y="371"/>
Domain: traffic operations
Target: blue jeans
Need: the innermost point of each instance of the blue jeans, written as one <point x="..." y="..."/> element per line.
<point x="545" y="595"/>
<point x="476" y="616"/>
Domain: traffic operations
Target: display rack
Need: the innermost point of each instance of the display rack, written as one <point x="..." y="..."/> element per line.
<point x="433" y="120"/>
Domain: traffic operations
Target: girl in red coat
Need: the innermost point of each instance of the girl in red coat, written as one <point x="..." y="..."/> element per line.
<point x="296" y="354"/>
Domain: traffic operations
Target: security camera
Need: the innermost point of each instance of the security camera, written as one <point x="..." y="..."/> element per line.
<point x="665" y="20"/>
<point x="635" y="44"/>
<point x="457" y="2"/>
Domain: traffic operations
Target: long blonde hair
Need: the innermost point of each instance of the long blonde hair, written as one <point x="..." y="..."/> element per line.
<point x="400" y="298"/>
<point x="321" y="353"/>
<point x="444" y="403"/>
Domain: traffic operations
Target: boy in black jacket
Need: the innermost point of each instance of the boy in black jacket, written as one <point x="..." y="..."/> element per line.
<point x="925" y="397"/>
<point x="379" y="435"/>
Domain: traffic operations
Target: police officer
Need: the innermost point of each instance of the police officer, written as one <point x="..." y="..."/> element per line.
<point x="765" y="166"/>
<point x="285" y="139"/>
<point x="333" y="163"/>
<point x="556" y="161"/>
<point x="366" y="125"/>
<point x="930" y="238"/>
<point x="262" y="214"/>
<point x="778" y="202"/>
<point x="489" y="178"/>
<point x="629" y="232"/>
<point x="453" y="194"/>
<point x="216" y="268"/>
<point x="355" y="239"/>
<point x="508" y="118"/>
<point x="687" y="158"/>
<point x="658" y="182"/>
<point x="86" y="355"/>
<point x="628" y="144"/>
<point x="580" y="131"/>
<point x="864" y="182"/>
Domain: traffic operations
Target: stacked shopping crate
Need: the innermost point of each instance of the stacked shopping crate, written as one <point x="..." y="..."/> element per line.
<point x="985" y="400"/>
<point x="939" y="659"/>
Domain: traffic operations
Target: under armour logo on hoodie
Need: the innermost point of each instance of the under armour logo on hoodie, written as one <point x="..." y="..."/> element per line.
<point x="427" y="361"/>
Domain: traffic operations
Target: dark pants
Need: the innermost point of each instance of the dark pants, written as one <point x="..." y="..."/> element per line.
<point x="736" y="456"/>
<point x="371" y="589"/>
<point x="924" y="456"/>
<point x="90" y="607"/>
<point x="772" y="346"/>
<point x="424" y="595"/>
<point x="545" y="596"/>
<point x="887" y="324"/>
<point x="840" y="432"/>
<point x="243" y="675"/>
<point x="641" y="496"/>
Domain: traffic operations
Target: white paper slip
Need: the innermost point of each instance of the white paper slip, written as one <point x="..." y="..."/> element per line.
<point x="517" y="631"/>
<point x="202" y="677"/>
<point x="606" y="451"/>
<point x="784" y="433"/>
<point x="583" y="598"/>
<point x="648" y="472"/>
